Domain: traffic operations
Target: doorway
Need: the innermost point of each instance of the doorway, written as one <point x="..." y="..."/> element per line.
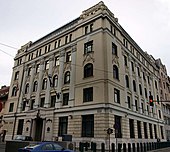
<point x="38" y="129"/>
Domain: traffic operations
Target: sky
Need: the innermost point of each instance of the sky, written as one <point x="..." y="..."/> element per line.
<point x="21" y="21"/>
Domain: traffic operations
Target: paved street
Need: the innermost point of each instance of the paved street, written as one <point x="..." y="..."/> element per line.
<point x="2" y="149"/>
<point x="161" y="150"/>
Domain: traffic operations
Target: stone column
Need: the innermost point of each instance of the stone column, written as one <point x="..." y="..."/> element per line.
<point x="125" y="127"/>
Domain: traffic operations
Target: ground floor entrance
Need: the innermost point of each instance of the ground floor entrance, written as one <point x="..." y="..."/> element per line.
<point x="38" y="129"/>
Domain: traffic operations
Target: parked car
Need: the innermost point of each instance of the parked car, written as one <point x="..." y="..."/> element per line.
<point x="44" y="147"/>
<point x="23" y="138"/>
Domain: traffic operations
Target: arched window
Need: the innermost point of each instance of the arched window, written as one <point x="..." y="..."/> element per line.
<point x="67" y="77"/>
<point x="35" y="86"/>
<point x="14" y="91"/>
<point x="55" y="81"/>
<point x="127" y="81"/>
<point x="44" y="85"/>
<point x="115" y="72"/>
<point x="27" y="88"/>
<point x="134" y="85"/>
<point x="88" y="70"/>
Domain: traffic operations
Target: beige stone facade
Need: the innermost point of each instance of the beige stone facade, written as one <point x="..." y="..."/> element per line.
<point x="82" y="79"/>
<point x="164" y="84"/>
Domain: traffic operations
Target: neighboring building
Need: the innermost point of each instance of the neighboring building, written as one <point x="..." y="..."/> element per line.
<point x="3" y="99"/>
<point x="165" y="95"/>
<point x="81" y="79"/>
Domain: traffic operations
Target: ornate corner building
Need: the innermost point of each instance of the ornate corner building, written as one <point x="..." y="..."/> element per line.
<point x="83" y="78"/>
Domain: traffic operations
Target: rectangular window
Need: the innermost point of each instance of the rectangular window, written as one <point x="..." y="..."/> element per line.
<point x="159" y="114"/>
<point x="19" y="61"/>
<point x="131" y="127"/>
<point x="129" y="103"/>
<point x="53" y="100"/>
<point x="88" y="47"/>
<point x="136" y="105"/>
<point x="39" y="52"/>
<point x="55" y="44"/>
<point x="59" y="43"/>
<point x="116" y="96"/>
<point x="86" y="30"/>
<point x="20" y="126"/>
<point x="146" y="94"/>
<point x="42" y="102"/>
<point x="29" y="57"/>
<point x="114" y="49"/>
<point x="88" y="94"/>
<point x="37" y="68"/>
<point x="32" y="104"/>
<point x="144" y="75"/>
<point x="68" y="56"/>
<point x="65" y="99"/>
<point x="139" y="129"/>
<point x="162" y="134"/>
<point x="115" y="32"/>
<point x="46" y="65"/>
<point x="87" y="126"/>
<point x="66" y="39"/>
<point x="29" y="71"/>
<point x="45" y="49"/>
<point x="91" y="27"/>
<point x="148" y="109"/>
<point x="148" y="79"/>
<point x="16" y="75"/>
<point x="70" y="38"/>
<point x="111" y="29"/>
<point x="138" y="71"/>
<point x="150" y="130"/>
<point x="63" y="123"/>
<point x="145" y="130"/>
<point x="24" y="105"/>
<point x="118" y="130"/>
<point x="11" y="107"/>
<point x="142" y="106"/>
<point x="57" y="61"/>
<point x="155" y="131"/>
<point x="49" y="47"/>
<point x="132" y="66"/>
<point x="140" y="89"/>
<point x="125" y="60"/>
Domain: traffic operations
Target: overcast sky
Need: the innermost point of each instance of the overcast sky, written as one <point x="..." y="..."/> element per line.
<point x="21" y="21"/>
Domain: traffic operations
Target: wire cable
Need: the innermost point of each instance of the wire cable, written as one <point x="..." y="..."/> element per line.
<point x="8" y="46"/>
<point x="7" y="53"/>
